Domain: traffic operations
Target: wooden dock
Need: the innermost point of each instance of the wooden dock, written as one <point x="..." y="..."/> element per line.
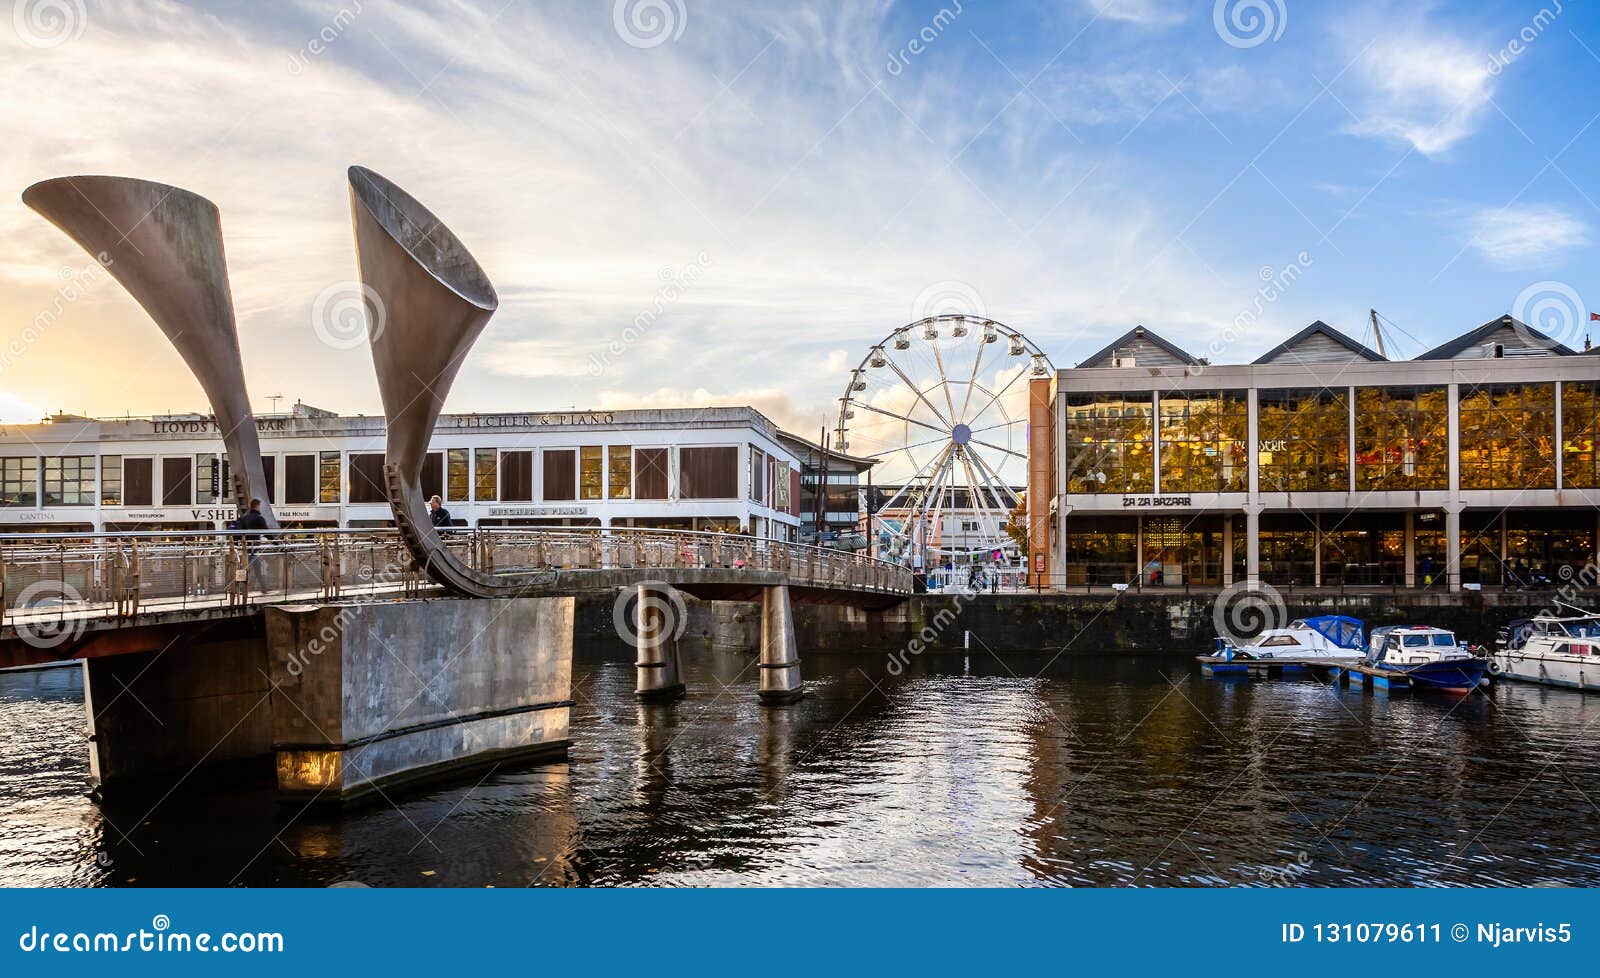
<point x="1216" y="665"/>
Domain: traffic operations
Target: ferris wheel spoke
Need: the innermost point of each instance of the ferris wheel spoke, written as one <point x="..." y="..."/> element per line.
<point x="997" y="448"/>
<point x="998" y="395"/>
<point x="985" y="513"/>
<point x="990" y="472"/>
<point x="915" y="390"/>
<point x="944" y="382"/>
<point x="972" y="381"/>
<point x="891" y="414"/>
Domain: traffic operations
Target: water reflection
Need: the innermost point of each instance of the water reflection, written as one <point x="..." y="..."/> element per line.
<point x="964" y="770"/>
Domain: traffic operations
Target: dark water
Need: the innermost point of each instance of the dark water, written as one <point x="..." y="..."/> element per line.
<point x="1105" y="770"/>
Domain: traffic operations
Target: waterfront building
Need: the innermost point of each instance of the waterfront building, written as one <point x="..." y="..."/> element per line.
<point x="723" y="469"/>
<point x="1321" y="464"/>
<point x="839" y="505"/>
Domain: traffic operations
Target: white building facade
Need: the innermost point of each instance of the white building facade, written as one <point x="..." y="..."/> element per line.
<point x="713" y="469"/>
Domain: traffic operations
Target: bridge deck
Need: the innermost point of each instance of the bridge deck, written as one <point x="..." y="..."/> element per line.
<point x="57" y="590"/>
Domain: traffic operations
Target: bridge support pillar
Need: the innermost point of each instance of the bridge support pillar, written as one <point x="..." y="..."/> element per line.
<point x="780" y="654"/>
<point x="366" y="696"/>
<point x="161" y="714"/>
<point x="657" y="621"/>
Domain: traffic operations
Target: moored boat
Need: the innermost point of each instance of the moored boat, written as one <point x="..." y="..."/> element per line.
<point x="1429" y="657"/>
<point x="1304" y="642"/>
<point x="1551" y="649"/>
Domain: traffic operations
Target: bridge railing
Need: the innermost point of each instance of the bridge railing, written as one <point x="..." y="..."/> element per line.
<point x="45" y="577"/>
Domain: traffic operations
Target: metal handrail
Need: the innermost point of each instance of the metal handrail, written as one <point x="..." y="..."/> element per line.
<point x="55" y="576"/>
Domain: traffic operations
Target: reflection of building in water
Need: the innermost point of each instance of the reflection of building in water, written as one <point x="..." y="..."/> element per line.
<point x="1323" y="463"/>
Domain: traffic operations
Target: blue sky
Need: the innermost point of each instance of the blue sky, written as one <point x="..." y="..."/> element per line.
<point x="788" y="182"/>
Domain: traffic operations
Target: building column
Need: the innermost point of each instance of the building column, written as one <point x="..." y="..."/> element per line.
<point x="1409" y="549"/>
<point x="657" y="622"/>
<point x="1452" y="546"/>
<point x="1252" y="546"/>
<point x="1227" y="550"/>
<point x="1316" y="549"/>
<point x="780" y="658"/>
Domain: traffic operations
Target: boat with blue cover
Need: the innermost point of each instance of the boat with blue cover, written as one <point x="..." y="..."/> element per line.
<point x="1305" y="643"/>
<point x="1425" y="656"/>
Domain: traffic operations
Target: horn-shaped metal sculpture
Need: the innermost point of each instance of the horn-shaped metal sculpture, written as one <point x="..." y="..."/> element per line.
<point x="428" y="300"/>
<point x="165" y="246"/>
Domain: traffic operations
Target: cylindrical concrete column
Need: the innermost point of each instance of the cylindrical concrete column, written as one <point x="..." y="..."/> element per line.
<point x="656" y="623"/>
<point x="780" y="658"/>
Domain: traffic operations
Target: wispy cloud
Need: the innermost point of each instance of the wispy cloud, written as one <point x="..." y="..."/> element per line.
<point x="1420" y="84"/>
<point x="578" y="168"/>
<point x="1523" y="236"/>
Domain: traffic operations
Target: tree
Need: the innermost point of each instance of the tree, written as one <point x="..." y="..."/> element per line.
<point x="1017" y="525"/>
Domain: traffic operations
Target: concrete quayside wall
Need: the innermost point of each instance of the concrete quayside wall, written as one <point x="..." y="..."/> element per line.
<point x="1129" y="622"/>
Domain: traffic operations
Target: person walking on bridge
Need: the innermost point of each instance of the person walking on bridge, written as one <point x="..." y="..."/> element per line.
<point x="437" y="513"/>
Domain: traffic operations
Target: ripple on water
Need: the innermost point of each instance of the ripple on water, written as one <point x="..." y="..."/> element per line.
<point x="1102" y="771"/>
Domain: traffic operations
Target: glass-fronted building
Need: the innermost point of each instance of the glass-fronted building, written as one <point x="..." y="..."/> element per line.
<point x="1323" y="464"/>
<point x="722" y="469"/>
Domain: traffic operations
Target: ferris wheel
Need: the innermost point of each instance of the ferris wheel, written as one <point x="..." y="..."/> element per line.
<point x="941" y="404"/>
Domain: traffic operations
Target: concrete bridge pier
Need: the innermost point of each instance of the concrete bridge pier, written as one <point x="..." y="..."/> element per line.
<point x="366" y="696"/>
<point x="657" y="622"/>
<point x="780" y="653"/>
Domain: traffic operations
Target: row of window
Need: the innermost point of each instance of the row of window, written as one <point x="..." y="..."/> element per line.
<point x="457" y="475"/>
<point x="1303" y="439"/>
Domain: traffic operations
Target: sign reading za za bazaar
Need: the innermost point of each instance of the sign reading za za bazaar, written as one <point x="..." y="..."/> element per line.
<point x="1149" y="502"/>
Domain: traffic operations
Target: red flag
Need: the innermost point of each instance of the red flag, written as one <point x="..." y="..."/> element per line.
<point x="1593" y="316"/>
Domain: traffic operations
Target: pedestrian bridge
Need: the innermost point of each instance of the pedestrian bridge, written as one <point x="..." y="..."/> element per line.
<point x="58" y="592"/>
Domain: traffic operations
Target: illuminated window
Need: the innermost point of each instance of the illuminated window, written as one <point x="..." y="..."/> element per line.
<point x="591" y="474"/>
<point x="1580" y="412"/>
<point x="1303" y="440"/>
<point x="619" y="476"/>
<point x="1508" y="436"/>
<point x="486" y="479"/>
<point x="110" y="480"/>
<point x="458" y="477"/>
<point x="1205" y="442"/>
<point x="1402" y="438"/>
<point x="330" y="478"/>
<point x="1108" y="443"/>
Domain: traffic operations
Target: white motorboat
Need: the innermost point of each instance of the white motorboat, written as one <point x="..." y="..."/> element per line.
<point x="1431" y="658"/>
<point x="1326" y="639"/>
<point x="1551" y="649"/>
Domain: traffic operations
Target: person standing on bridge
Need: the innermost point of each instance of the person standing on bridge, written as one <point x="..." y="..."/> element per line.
<point x="251" y="519"/>
<point x="437" y="513"/>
